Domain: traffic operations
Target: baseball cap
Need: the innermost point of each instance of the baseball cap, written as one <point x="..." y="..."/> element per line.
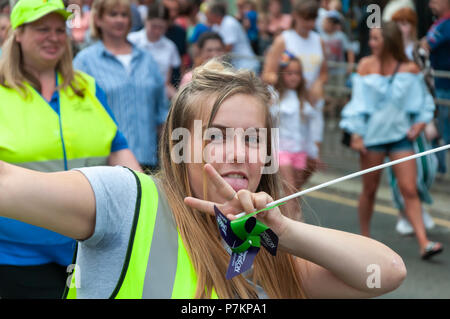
<point x="26" y="11"/>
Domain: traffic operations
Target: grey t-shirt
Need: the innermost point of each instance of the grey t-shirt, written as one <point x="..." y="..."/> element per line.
<point x="100" y="258"/>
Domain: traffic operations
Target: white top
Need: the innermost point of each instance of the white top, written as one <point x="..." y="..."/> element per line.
<point x="125" y="59"/>
<point x="233" y="33"/>
<point x="308" y="50"/>
<point x="163" y="51"/>
<point x="297" y="131"/>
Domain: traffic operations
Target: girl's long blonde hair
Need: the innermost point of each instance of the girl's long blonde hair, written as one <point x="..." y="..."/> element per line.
<point x="277" y="275"/>
<point x="13" y="74"/>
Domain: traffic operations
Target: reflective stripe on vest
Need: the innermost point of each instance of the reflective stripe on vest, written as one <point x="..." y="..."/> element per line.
<point x="58" y="165"/>
<point x="32" y="134"/>
<point x="157" y="264"/>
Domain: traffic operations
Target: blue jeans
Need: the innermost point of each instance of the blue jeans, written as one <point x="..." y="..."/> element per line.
<point x="443" y="123"/>
<point x="403" y="145"/>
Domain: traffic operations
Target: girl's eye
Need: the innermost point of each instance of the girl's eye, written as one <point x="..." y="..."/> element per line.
<point x="217" y="138"/>
<point x="252" y="139"/>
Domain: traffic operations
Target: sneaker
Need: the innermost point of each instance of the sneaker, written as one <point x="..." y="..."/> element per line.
<point x="403" y="227"/>
<point x="427" y="220"/>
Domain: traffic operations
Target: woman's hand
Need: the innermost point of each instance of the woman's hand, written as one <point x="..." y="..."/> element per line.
<point x="415" y="130"/>
<point x="316" y="93"/>
<point x="357" y="143"/>
<point x="236" y="202"/>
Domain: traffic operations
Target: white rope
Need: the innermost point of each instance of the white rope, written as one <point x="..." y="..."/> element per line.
<point x="356" y="174"/>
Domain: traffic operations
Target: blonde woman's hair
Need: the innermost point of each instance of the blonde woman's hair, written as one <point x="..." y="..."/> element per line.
<point x="213" y="83"/>
<point x="14" y="75"/>
<point x="99" y="7"/>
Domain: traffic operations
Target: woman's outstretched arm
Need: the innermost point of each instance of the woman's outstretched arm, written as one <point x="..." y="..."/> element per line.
<point x="63" y="202"/>
<point x="332" y="263"/>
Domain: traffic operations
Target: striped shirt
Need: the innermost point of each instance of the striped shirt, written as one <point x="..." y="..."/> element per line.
<point x="137" y="98"/>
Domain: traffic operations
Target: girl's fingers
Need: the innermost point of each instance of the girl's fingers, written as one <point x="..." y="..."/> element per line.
<point x="225" y="190"/>
<point x="261" y="200"/>
<point x="200" y="205"/>
<point x="207" y="207"/>
<point x="246" y="199"/>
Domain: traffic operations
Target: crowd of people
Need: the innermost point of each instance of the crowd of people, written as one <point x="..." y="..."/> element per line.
<point x="109" y="85"/>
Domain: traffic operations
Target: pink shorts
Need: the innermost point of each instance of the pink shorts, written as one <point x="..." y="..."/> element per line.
<point x="297" y="160"/>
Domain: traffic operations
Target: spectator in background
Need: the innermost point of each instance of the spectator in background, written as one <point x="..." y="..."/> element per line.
<point x="305" y="44"/>
<point x="323" y="9"/>
<point x="265" y="39"/>
<point x="5" y="7"/>
<point x="201" y="24"/>
<point x="129" y="76"/>
<point x="185" y="16"/>
<point x="294" y="116"/>
<point x="162" y="49"/>
<point x="210" y="45"/>
<point x="233" y="35"/>
<point x="278" y="21"/>
<point x="136" y="21"/>
<point x="337" y="46"/>
<point x="240" y="12"/>
<point x="52" y="119"/>
<point x="389" y="108"/>
<point x="176" y="32"/>
<point x="250" y="23"/>
<point x="4" y="28"/>
<point x="394" y="5"/>
<point x="191" y="9"/>
<point x="406" y="19"/>
<point x="438" y="44"/>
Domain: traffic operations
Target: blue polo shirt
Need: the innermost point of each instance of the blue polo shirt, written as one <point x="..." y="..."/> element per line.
<point x="438" y="38"/>
<point x="23" y="244"/>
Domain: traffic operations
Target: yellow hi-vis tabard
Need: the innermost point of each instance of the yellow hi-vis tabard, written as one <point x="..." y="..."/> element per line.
<point x="32" y="135"/>
<point x="157" y="264"/>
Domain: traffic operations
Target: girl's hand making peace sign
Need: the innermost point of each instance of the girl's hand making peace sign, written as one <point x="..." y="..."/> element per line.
<point x="236" y="202"/>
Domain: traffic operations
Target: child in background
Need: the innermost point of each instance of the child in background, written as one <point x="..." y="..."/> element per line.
<point x="210" y="45"/>
<point x="337" y="49"/>
<point x="337" y="45"/>
<point x="295" y="121"/>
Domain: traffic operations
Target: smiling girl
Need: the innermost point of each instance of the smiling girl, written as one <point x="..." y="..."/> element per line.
<point x="156" y="237"/>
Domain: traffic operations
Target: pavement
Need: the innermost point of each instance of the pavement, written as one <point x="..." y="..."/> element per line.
<point x="425" y="279"/>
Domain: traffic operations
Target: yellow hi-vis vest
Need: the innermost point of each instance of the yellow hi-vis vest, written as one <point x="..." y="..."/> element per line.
<point x="32" y="135"/>
<point x="157" y="264"/>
